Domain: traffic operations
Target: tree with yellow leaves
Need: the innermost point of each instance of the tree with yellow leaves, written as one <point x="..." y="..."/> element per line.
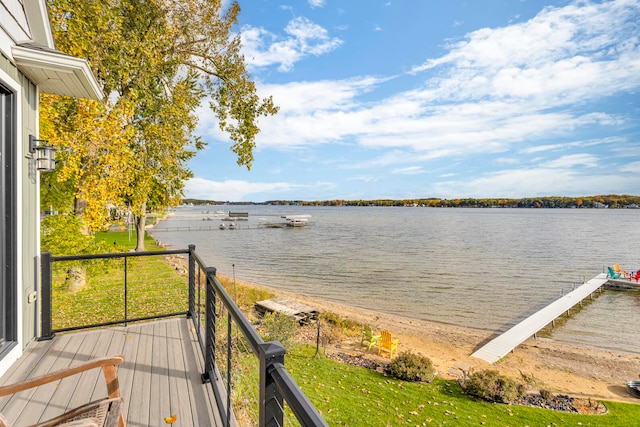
<point x="157" y="61"/>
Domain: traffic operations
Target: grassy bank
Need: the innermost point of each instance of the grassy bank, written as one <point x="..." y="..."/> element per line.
<point x="353" y="396"/>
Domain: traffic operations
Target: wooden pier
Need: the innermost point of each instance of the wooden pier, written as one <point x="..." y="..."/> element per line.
<point x="301" y="313"/>
<point x="497" y="348"/>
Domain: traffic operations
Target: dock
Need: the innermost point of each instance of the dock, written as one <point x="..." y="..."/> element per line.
<point x="301" y="313"/>
<point x="497" y="348"/>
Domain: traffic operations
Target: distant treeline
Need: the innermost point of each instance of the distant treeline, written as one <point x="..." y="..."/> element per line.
<point x="612" y="201"/>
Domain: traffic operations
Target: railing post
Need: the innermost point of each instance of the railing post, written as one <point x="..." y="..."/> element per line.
<point x="210" y="326"/>
<point x="45" y="297"/>
<point x="192" y="281"/>
<point x="271" y="401"/>
<point x="126" y="297"/>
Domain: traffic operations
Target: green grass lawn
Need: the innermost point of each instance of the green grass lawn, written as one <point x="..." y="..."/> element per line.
<point x="352" y="396"/>
<point x="153" y="286"/>
<point x="124" y="240"/>
<point x="345" y="395"/>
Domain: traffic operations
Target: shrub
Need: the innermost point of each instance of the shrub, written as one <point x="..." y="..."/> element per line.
<point x="490" y="385"/>
<point x="280" y="327"/>
<point x="62" y="235"/>
<point x="347" y="326"/>
<point x="411" y="367"/>
<point x="335" y="328"/>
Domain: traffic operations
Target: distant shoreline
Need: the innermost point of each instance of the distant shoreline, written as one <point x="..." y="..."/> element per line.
<point x="613" y="201"/>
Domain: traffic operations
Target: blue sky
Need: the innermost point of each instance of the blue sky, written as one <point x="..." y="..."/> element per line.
<point x="441" y="98"/>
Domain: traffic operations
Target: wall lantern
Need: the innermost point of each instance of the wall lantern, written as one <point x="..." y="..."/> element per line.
<point x="45" y="155"/>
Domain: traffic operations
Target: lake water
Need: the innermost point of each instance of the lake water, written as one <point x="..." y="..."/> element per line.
<point x="479" y="268"/>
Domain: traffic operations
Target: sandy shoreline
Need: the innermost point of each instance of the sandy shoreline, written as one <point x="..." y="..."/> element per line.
<point x="580" y="371"/>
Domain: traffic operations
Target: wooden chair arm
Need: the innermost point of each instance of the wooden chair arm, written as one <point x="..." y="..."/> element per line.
<point x="107" y="364"/>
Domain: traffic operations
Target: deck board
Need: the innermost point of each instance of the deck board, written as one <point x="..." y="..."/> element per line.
<point x="497" y="348"/>
<point x="141" y="384"/>
<point x="160" y="375"/>
<point x="194" y="366"/>
<point x="160" y="404"/>
<point x="178" y="390"/>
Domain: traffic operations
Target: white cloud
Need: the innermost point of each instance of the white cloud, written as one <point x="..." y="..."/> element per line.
<point x="563" y="55"/>
<point x="364" y="178"/>
<point x="315" y="112"/>
<point x="633" y="168"/>
<point x="410" y="170"/>
<point x="262" y="48"/>
<point x="573" y="160"/>
<point x="507" y="161"/>
<point x="236" y="190"/>
<point x="496" y="93"/>
<point x="536" y="182"/>
<point x="316" y="3"/>
<point x="616" y="141"/>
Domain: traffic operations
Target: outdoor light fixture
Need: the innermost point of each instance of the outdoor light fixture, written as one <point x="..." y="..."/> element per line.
<point x="45" y="155"/>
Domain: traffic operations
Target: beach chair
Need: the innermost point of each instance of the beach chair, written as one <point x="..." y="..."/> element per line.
<point x="635" y="276"/>
<point x="387" y="343"/>
<point x="612" y="274"/>
<point x="367" y="336"/>
<point x="106" y="412"/>
<point x="622" y="273"/>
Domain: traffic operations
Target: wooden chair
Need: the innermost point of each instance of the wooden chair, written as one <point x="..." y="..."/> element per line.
<point x="106" y="412"/>
<point x="367" y="336"/>
<point x="612" y="274"/>
<point x="387" y="344"/>
<point x="621" y="273"/>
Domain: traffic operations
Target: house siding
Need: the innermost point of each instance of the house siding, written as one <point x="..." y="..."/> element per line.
<point x="30" y="212"/>
<point x="14" y="20"/>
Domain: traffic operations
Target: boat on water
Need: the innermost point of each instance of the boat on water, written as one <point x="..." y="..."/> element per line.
<point x="297" y="220"/>
<point x="633" y="387"/>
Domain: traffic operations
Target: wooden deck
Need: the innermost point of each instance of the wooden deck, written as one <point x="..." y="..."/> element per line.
<point x="159" y="377"/>
<point x="503" y="344"/>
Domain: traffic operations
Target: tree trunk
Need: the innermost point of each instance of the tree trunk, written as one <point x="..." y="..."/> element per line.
<point x="79" y="206"/>
<point x="76" y="279"/>
<point x="141" y="221"/>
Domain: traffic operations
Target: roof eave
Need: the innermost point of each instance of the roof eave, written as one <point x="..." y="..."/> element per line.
<point x="57" y="73"/>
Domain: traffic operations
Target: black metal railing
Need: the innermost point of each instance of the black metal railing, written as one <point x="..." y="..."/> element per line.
<point x="218" y="335"/>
